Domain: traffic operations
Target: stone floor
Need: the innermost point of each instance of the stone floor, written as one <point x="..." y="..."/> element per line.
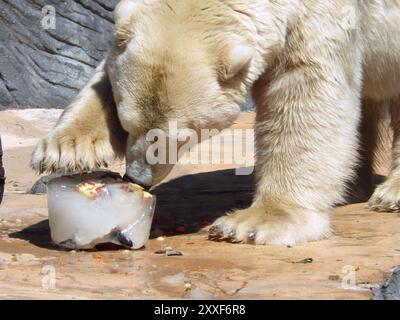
<point x="365" y="247"/>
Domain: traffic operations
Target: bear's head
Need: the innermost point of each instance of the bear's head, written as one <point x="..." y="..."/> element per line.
<point x="188" y="61"/>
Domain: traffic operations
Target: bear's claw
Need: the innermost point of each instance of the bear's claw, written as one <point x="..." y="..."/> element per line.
<point x="252" y="236"/>
<point x="270" y="225"/>
<point x="386" y="197"/>
<point x="215" y="233"/>
<point x="65" y="151"/>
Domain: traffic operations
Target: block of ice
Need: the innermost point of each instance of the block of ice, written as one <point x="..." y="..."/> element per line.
<point x="86" y="210"/>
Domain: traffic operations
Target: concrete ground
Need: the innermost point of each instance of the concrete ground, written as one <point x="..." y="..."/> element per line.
<point x="365" y="247"/>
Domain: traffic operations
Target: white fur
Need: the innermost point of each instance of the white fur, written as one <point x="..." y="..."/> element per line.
<point x="308" y="70"/>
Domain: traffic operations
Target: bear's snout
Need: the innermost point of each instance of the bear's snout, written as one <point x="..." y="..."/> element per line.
<point x="139" y="172"/>
<point x="138" y="169"/>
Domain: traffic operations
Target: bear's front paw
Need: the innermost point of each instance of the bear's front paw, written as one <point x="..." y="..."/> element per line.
<point x="386" y="197"/>
<point x="275" y="225"/>
<point x="68" y="151"/>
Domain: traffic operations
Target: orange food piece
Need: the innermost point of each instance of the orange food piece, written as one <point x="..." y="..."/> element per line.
<point x="97" y="256"/>
<point x="90" y="189"/>
<point x="132" y="187"/>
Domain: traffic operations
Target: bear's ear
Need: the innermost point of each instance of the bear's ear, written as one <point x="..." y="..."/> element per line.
<point x="124" y="13"/>
<point x="238" y="59"/>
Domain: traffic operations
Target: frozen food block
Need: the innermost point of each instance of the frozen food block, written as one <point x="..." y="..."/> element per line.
<point x="86" y="210"/>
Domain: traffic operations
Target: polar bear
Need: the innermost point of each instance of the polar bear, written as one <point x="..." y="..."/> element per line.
<point x="320" y="73"/>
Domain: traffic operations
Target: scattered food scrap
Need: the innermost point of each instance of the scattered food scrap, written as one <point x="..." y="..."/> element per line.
<point x="305" y="261"/>
<point x="168" y="251"/>
<point x="188" y="286"/>
<point x="114" y="270"/>
<point x="173" y="253"/>
<point x="334" y="277"/>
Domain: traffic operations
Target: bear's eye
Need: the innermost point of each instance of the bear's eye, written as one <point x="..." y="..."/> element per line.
<point x="237" y="60"/>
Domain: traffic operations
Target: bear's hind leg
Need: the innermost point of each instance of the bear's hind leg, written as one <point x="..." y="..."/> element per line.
<point x="386" y="197"/>
<point x="362" y="187"/>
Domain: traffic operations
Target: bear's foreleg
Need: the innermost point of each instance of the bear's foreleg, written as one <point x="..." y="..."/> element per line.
<point x="88" y="134"/>
<point x="306" y="136"/>
<point x="308" y="112"/>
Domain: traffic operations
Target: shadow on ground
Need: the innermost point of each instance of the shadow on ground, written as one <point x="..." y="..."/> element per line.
<point x="184" y="205"/>
<point x="193" y="201"/>
<point x="37" y="234"/>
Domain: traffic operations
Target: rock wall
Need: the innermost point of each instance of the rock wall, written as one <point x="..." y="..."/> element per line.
<point x="49" y="48"/>
<point x="45" y="61"/>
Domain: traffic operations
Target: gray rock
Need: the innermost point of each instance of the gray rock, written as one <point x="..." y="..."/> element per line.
<point x="42" y="67"/>
<point x="390" y="290"/>
<point x="46" y="68"/>
<point x="40" y="186"/>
